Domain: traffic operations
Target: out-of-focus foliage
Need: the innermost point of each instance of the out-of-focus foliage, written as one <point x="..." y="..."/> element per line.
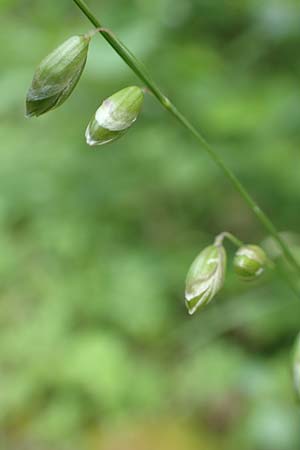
<point x="96" y="348"/>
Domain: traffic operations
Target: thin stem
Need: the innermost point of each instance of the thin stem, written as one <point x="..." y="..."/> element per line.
<point x="235" y="241"/>
<point x="140" y="70"/>
<point x="279" y="268"/>
<point x="270" y="264"/>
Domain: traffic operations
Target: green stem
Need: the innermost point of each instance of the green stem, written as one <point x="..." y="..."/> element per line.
<point x="225" y="234"/>
<point x="144" y="76"/>
<point x="270" y="264"/>
<point x="279" y="268"/>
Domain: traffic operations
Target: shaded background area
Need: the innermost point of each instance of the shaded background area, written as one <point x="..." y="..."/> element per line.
<point x="96" y="348"/>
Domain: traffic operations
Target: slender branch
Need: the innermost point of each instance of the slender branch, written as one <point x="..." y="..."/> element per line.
<point x="279" y="268"/>
<point x="225" y="234"/>
<point x="140" y="70"/>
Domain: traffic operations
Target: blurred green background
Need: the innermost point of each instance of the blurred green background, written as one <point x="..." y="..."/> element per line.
<point x="97" y="351"/>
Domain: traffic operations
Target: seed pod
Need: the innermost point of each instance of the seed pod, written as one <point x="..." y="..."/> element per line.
<point x="296" y="366"/>
<point x="205" y="277"/>
<point x="115" y="116"/>
<point x="249" y="262"/>
<point x="57" y="75"/>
